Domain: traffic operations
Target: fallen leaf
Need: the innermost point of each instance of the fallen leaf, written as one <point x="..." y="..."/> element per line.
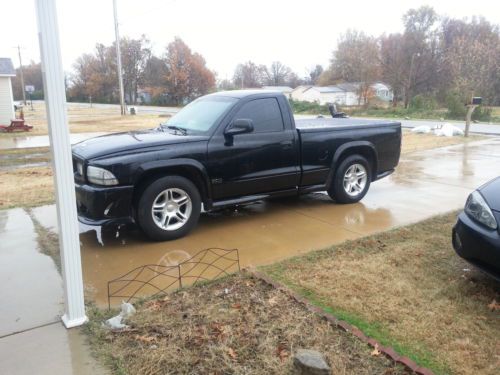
<point x="494" y="305"/>
<point x="375" y="352"/>
<point x="236" y="306"/>
<point x="282" y="353"/>
<point x="232" y="353"/>
<point x="153" y="306"/>
<point x="145" y="339"/>
<point x="273" y="300"/>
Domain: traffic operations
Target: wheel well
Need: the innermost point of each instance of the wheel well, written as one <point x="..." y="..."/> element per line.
<point x="367" y="152"/>
<point x="192" y="174"/>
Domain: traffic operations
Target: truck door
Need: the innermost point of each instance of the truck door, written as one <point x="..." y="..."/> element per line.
<point x="263" y="160"/>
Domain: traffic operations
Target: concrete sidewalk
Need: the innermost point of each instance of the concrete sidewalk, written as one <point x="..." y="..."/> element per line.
<point x="32" y="337"/>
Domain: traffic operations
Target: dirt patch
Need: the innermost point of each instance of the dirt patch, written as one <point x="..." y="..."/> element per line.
<point x="21" y="158"/>
<point x="48" y="242"/>
<point x="408" y="289"/>
<point x="237" y="325"/>
<point x="26" y="187"/>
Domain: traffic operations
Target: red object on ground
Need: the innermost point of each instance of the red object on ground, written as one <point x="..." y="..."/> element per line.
<point x="16" y="125"/>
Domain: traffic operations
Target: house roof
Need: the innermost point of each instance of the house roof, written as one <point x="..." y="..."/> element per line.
<point x="349" y="86"/>
<point x="6" y="67"/>
<point x="278" y="88"/>
<point x="328" y="89"/>
<point x="302" y="88"/>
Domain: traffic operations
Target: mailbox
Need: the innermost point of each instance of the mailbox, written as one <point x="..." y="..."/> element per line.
<point x="476" y="100"/>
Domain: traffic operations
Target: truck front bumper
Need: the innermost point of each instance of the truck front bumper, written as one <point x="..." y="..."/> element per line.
<point x="104" y="205"/>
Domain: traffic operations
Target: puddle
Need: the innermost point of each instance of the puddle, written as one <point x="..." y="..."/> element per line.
<point x="425" y="184"/>
<point x="30" y="141"/>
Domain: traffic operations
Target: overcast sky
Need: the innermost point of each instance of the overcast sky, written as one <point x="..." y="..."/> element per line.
<point x="298" y="33"/>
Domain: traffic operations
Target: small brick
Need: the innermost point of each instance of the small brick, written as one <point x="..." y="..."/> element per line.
<point x="344" y="325"/>
<point x="424" y="371"/>
<point x="391" y="353"/>
<point x="408" y="363"/>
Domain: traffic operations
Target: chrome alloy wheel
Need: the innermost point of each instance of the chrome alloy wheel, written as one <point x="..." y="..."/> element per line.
<point x="355" y="180"/>
<point x="171" y="209"/>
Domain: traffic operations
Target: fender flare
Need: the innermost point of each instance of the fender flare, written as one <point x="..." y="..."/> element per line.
<point x="345" y="148"/>
<point x="158" y="165"/>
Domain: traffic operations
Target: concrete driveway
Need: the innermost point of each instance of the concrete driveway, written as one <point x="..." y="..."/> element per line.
<point x="425" y="184"/>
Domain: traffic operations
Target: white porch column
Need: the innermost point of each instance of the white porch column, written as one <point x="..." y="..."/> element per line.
<point x="55" y="102"/>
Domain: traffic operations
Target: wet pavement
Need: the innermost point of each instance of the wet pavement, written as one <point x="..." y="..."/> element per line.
<point x="32" y="337"/>
<point x="426" y="183"/>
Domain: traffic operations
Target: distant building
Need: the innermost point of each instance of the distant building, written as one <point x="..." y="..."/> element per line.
<point x="283" y="89"/>
<point x="346" y="94"/>
<point x="7" y="71"/>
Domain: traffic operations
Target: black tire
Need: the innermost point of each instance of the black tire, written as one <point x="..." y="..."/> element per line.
<point x="337" y="190"/>
<point x="145" y="216"/>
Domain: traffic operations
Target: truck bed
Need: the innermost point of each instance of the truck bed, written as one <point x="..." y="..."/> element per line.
<point x="329" y="124"/>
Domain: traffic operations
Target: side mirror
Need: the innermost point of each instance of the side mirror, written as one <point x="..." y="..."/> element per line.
<point x="239" y="126"/>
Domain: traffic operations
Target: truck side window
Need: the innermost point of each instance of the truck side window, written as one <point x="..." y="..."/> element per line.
<point x="265" y="114"/>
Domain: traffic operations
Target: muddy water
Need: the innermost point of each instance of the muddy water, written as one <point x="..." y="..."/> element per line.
<point x="425" y="184"/>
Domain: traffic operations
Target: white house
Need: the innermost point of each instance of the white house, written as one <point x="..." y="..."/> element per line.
<point x="343" y="93"/>
<point x="297" y="92"/>
<point x="283" y="89"/>
<point x="6" y="99"/>
<point x="383" y="91"/>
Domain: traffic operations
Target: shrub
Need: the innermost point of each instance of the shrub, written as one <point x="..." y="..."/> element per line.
<point x="307" y="107"/>
<point x="457" y="109"/>
<point x="423" y="102"/>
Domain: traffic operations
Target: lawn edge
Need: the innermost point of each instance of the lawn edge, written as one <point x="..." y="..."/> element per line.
<point x="341" y="324"/>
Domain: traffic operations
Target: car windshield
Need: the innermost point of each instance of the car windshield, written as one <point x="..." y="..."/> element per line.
<point x="201" y="115"/>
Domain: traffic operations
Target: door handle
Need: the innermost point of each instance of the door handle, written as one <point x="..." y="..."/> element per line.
<point x="286" y="145"/>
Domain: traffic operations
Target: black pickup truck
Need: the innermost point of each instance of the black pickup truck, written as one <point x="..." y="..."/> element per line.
<point x="226" y="149"/>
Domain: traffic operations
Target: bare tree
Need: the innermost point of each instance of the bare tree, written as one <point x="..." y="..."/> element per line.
<point x="277" y="74"/>
<point x="249" y="74"/>
<point x="356" y="60"/>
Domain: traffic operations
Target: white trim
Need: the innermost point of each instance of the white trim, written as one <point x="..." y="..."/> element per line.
<point x="74" y="322"/>
<point x="55" y="104"/>
<point x="12" y="113"/>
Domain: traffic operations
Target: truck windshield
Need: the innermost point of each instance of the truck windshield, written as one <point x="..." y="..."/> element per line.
<point x="199" y="116"/>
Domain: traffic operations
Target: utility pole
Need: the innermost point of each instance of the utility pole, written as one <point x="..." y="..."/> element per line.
<point x="410" y="74"/>
<point x="119" y="61"/>
<point x="22" y="76"/>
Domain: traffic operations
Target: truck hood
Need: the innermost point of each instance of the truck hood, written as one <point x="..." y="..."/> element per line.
<point x="491" y="193"/>
<point x="130" y="142"/>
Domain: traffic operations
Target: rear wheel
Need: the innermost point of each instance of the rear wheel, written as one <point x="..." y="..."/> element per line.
<point x="169" y="208"/>
<point x="351" y="181"/>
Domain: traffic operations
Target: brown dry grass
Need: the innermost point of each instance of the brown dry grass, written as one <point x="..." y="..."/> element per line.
<point x="26" y="187"/>
<point x="408" y="288"/>
<point x="253" y="329"/>
<point x="417" y="142"/>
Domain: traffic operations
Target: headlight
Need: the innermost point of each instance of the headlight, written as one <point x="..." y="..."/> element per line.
<point x="477" y="208"/>
<point x="100" y="176"/>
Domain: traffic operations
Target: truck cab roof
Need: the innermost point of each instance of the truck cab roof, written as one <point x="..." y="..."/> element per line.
<point x="238" y="94"/>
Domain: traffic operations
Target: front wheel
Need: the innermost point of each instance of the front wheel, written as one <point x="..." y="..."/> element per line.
<point x="351" y="180"/>
<point x="169" y="208"/>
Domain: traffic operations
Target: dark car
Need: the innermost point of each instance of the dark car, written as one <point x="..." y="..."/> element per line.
<point x="226" y="149"/>
<point x="476" y="235"/>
